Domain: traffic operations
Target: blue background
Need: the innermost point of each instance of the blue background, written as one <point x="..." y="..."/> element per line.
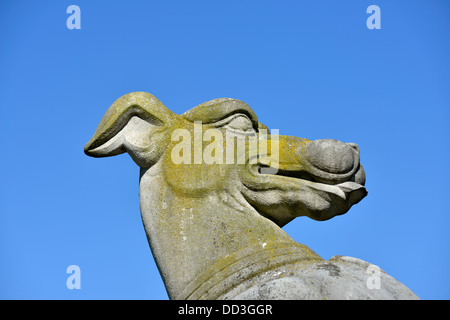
<point x="309" y="68"/>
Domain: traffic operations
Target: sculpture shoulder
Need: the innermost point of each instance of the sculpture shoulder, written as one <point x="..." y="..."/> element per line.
<point x="340" y="278"/>
<point x="373" y="282"/>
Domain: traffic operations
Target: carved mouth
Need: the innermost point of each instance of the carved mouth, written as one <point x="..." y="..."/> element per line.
<point x="282" y="195"/>
<point x="345" y="190"/>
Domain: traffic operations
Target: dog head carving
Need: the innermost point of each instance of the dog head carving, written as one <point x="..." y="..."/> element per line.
<point x="221" y="145"/>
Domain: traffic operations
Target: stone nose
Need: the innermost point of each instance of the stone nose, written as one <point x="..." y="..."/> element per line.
<point x="331" y="160"/>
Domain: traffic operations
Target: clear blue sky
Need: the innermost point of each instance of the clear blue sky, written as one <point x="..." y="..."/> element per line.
<point x="308" y="68"/>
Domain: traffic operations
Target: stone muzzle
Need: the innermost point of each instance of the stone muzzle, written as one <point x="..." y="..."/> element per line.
<point x="331" y="161"/>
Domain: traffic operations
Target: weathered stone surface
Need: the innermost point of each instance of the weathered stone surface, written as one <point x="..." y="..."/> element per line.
<point x="340" y="278"/>
<point x="212" y="208"/>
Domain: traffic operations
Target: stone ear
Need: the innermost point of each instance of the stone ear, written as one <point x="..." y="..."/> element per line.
<point x="127" y="125"/>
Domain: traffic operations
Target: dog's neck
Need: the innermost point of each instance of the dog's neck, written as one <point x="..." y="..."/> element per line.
<point x="189" y="234"/>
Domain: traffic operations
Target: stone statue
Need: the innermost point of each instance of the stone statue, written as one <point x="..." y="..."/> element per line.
<point x="213" y="208"/>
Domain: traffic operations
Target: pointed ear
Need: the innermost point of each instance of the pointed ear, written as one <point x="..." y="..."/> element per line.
<point x="127" y="125"/>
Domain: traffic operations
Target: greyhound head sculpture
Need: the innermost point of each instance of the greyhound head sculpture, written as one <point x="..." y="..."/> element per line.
<point x="215" y="189"/>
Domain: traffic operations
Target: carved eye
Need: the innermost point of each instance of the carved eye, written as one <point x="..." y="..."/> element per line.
<point x="237" y="124"/>
<point x="240" y="122"/>
<point x="240" y="125"/>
